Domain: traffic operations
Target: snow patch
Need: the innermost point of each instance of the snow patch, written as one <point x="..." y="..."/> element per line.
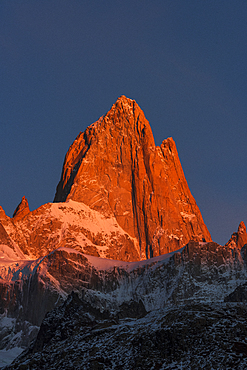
<point x="7" y="253"/>
<point x="7" y="356"/>
<point x="75" y="213"/>
<point x="107" y="264"/>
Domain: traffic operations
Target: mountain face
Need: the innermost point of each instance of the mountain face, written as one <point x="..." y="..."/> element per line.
<point x="125" y="235"/>
<point x="115" y="168"/>
<point x="120" y="196"/>
<point x="239" y="238"/>
<point x="158" y="312"/>
<point x="190" y="336"/>
<point x="69" y="224"/>
<point x="22" y="209"/>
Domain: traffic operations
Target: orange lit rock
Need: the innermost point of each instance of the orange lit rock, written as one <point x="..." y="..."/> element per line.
<point x="2" y="214"/>
<point x="4" y="238"/>
<point x="22" y="209"/>
<point x="115" y="168"/>
<point x="71" y="225"/>
<point x="242" y="235"/>
<point x="239" y="238"/>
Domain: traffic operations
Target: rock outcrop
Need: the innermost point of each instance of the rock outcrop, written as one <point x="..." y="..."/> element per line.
<point x="115" y="168"/>
<point x="199" y="271"/>
<point x="239" y="238"/>
<point x="184" y="293"/>
<point x="191" y="336"/>
<point x="72" y="225"/>
<point x="22" y="209"/>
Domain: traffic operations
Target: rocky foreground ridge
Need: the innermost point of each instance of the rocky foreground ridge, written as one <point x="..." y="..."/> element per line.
<point x="123" y="240"/>
<point x="189" y="336"/>
<point x="185" y="307"/>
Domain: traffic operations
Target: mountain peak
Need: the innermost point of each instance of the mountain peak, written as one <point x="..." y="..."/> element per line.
<point x="242" y="228"/>
<point x="2" y="213"/>
<point x="242" y="235"/>
<point x="22" y="209"/>
<point x="239" y="238"/>
<point x="124" y="105"/>
<point x="115" y="168"/>
<point x="124" y="100"/>
<point x="126" y="118"/>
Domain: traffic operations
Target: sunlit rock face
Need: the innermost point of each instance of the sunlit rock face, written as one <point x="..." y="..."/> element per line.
<point x="115" y="168"/>
<point x="123" y="199"/>
<point x="22" y="209"/>
<point x="239" y="238"/>
<point x="120" y="197"/>
<point x="71" y="224"/>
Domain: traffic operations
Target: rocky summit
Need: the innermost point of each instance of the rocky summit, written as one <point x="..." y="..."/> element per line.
<point x="116" y="169"/>
<point x="22" y="209"/>
<point x="120" y="196"/>
<point x="120" y="271"/>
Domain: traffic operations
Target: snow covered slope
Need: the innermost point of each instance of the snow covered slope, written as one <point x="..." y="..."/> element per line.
<point x="71" y="224"/>
<point x="192" y="322"/>
<point x="199" y="273"/>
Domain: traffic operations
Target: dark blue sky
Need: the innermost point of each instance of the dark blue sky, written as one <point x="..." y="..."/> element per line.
<point x="64" y="63"/>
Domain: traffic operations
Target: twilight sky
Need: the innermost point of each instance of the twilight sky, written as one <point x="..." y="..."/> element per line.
<point x="64" y="63"/>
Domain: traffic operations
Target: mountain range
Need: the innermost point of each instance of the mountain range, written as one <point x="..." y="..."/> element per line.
<point x="120" y="271"/>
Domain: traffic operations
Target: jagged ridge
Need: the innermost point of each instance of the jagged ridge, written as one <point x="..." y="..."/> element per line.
<point x="115" y="168"/>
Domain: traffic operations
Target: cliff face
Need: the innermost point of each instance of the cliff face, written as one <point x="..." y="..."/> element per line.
<point x="22" y="209"/>
<point x="115" y="168"/>
<point x="239" y="238"/>
<point x="120" y="197"/>
<point x="201" y="276"/>
<point x="198" y="272"/>
<point x="125" y="200"/>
